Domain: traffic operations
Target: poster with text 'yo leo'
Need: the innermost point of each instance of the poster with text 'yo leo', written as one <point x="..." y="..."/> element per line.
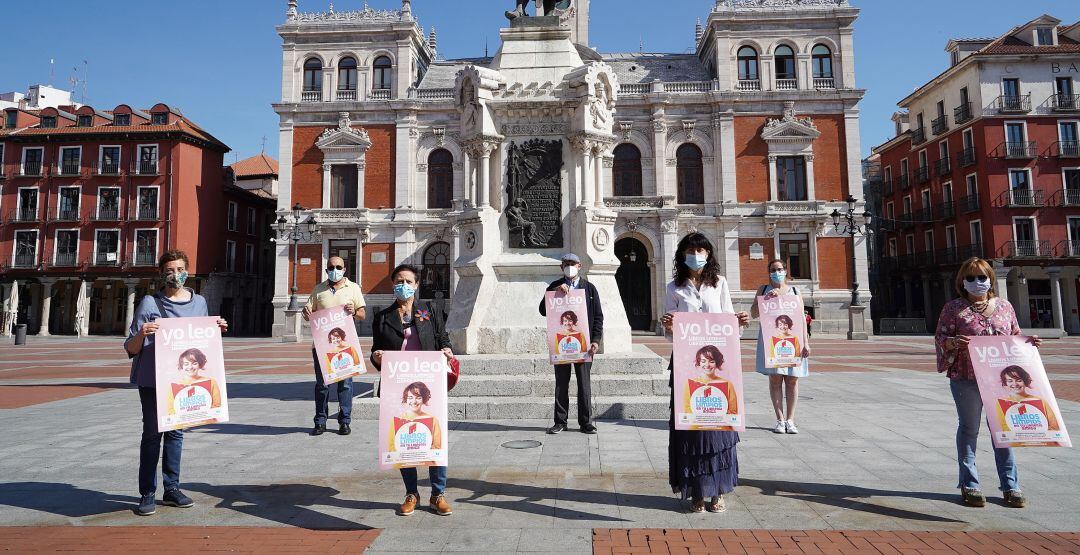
<point x="567" y="327"/>
<point x="190" y="371"/>
<point x="783" y="329"/>
<point x="334" y="335"/>
<point x="1021" y="409"/>
<point x="708" y="372"/>
<point x="412" y="409"/>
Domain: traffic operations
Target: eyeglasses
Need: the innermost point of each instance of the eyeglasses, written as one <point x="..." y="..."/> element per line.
<point x="971" y="279"/>
<point x="335" y="268"/>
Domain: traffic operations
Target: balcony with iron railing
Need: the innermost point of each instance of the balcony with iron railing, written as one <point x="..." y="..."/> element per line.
<point x="65" y="259"/>
<point x="107" y="215"/>
<point x="904" y="181"/>
<point x="380" y="94"/>
<point x="943" y="167"/>
<point x="1064" y="102"/>
<point x="906" y="261"/>
<point x="907" y="220"/>
<point x="923" y="216"/>
<point x="748" y="85"/>
<point x="962" y="113"/>
<point x="1009" y="104"/>
<point x="922" y="175"/>
<point x="918" y="135"/>
<point x="107" y="259"/>
<point x="940" y="124"/>
<point x="1070" y="197"/>
<point x="1021" y="198"/>
<point x="824" y="83"/>
<point x="948" y="255"/>
<point x="145" y="167"/>
<point x="887" y="187"/>
<point x="1068" y="249"/>
<point x="24" y="215"/>
<point x="1067" y="149"/>
<point x="106" y="167"/>
<point x="145" y="257"/>
<point x="1026" y="249"/>
<point x="787" y="84"/>
<point x="311" y="95"/>
<point x="31" y="168"/>
<point x="24" y="260"/>
<point x="968" y="204"/>
<point x="967" y="157"/>
<point x="974" y="250"/>
<point x="68" y="168"/>
<point x="1020" y="149"/>
<point x="926" y="259"/>
<point x="147" y="214"/>
<point x="945" y="210"/>
<point x="347" y="95"/>
<point x="67" y="215"/>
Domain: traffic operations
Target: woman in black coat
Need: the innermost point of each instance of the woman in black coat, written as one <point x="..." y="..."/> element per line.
<point x="409" y="325"/>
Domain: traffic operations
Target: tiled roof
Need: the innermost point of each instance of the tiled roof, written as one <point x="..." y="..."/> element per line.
<point x="645" y="68"/>
<point x="181" y="125"/>
<point x="260" y="193"/>
<point x="1009" y="44"/>
<point x="443" y="73"/>
<point x="257" y="165"/>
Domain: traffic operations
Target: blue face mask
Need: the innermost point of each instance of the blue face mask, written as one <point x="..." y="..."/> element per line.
<point x="778" y="277"/>
<point x="404" y="291"/>
<point x="335" y="275"/>
<point x="697" y="261"/>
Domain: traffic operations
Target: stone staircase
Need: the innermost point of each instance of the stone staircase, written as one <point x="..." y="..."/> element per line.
<point x="496" y="387"/>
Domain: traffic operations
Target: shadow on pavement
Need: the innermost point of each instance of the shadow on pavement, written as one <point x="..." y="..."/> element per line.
<point x="851" y="497"/>
<point x="530" y="498"/>
<point x="291" y="391"/>
<point x="248" y="430"/>
<point x="63" y="499"/>
<point x="474" y="426"/>
<point x="288" y="504"/>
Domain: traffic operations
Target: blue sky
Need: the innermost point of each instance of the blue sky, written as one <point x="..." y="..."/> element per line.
<point x="220" y="62"/>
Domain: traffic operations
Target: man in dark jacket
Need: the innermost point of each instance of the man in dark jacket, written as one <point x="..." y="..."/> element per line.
<point x="571" y="267"/>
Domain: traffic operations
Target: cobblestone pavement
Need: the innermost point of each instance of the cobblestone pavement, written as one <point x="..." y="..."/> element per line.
<point x="875" y="455"/>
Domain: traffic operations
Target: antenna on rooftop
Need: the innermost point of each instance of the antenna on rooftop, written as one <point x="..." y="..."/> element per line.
<point x="85" y="81"/>
<point x="264" y="144"/>
<point x="52" y="71"/>
<point x="641" y="44"/>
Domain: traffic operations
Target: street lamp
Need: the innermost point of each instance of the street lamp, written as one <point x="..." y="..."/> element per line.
<point x="851" y="227"/>
<point x="296" y="231"/>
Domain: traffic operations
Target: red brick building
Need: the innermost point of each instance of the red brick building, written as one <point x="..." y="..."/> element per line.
<point x="986" y="162"/>
<point x="89" y="199"/>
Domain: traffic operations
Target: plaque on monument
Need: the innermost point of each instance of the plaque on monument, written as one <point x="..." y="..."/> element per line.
<point x="534" y="194"/>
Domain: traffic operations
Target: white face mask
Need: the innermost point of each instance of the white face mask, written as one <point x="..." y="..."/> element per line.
<point x="977" y="288"/>
<point x="571" y="272"/>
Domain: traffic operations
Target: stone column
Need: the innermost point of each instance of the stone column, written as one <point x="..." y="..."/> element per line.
<point x="928" y="304"/>
<point x="659" y="162"/>
<point x="773" y="179"/>
<point x="587" y="187"/>
<point x="909" y="306"/>
<point x="1054" y="273"/>
<point x="361" y="166"/>
<point x="326" y="178"/>
<point x="46" y="305"/>
<point x="83" y="322"/>
<point x="5" y="292"/>
<point x="1001" y="288"/>
<point x="483" y="182"/>
<point x="947" y="286"/>
<point x="726" y="159"/>
<point x="598" y="175"/>
<point x="129" y="311"/>
<point x="810" y="190"/>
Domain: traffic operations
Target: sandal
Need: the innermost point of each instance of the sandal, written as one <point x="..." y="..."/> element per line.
<point x="697" y="505"/>
<point x="717" y="505"/>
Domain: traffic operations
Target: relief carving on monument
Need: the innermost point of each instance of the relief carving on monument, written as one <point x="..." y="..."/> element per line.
<point x="534" y="194"/>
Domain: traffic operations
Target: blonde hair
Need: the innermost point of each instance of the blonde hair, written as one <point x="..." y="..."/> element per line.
<point x="973" y="264"/>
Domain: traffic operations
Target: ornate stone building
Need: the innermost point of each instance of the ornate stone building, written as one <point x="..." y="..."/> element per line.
<point x="403" y="156"/>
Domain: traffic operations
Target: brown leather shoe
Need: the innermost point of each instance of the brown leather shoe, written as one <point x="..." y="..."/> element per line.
<point x="407" y="508"/>
<point x="440" y="505"/>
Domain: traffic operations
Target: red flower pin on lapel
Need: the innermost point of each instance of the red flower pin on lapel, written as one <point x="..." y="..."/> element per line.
<point x="423" y="315"/>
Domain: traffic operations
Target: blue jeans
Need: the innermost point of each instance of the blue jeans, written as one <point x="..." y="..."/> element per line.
<point x="969" y="411"/>
<point x="437" y="475"/>
<point x="150" y="448"/>
<point x="322" y="397"/>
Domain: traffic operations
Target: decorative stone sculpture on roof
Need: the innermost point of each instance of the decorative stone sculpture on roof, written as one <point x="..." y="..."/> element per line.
<point x="551" y="8"/>
<point x="755" y="4"/>
<point x="366" y="14"/>
<point x="345" y="130"/>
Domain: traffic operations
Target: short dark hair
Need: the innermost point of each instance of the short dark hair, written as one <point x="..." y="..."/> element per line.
<point x="336" y="332"/>
<point x="172" y="256"/>
<point x="569" y="315"/>
<point x="405" y="268"/>
<point x="1018" y="373"/>
<point x="785" y="319"/>
<point x="193" y="355"/>
<point x="710" y="352"/>
<point x="418" y="388"/>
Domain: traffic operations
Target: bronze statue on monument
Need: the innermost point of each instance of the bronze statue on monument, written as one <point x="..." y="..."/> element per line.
<point x="551" y="7"/>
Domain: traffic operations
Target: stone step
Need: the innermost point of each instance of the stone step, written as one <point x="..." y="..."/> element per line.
<point x="501" y="385"/>
<point x="644" y="407"/>
<point x="641" y="361"/>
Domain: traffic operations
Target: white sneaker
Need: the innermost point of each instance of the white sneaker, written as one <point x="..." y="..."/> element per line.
<point x="791" y="429"/>
<point x="781" y="427"/>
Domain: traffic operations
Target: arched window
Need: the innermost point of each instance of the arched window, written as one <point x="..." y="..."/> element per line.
<point x="440" y="179"/>
<point x="312" y="75"/>
<point x="748" y="64"/>
<point x="383" y="69"/>
<point x="785" y="62"/>
<point x="690" y="174"/>
<point x="347" y="74"/>
<point x="822" y="62"/>
<point x="627" y="171"/>
<point x="435" y="275"/>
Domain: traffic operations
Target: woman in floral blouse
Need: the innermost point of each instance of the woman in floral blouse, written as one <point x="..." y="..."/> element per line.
<point x="978" y="311"/>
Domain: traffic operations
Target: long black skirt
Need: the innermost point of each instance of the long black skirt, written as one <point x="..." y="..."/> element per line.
<point x="701" y="464"/>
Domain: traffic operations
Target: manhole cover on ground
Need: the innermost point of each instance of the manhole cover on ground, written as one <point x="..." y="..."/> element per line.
<point x="522" y="444"/>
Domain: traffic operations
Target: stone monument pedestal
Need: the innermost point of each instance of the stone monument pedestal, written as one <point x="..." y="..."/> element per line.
<point x="857" y="323"/>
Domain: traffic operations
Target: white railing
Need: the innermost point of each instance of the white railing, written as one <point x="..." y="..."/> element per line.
<point x="748" y="85"/>
<point x="787" y="84"/>
<point x="348" y="95"/>
<point x="311" y="96"/>
<point x="635" y="88"/>
<point x="434" y="94"/>
<point x="824" y="83"/>
<point x="380" y="94"/>
<point x="689" y="87"/>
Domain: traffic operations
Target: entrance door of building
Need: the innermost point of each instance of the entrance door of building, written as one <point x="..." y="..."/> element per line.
<point x="634" y="279"/>
<point x="346" y="249"/>
<point x="108" y="303"/>
<point x="1039" y="302"/>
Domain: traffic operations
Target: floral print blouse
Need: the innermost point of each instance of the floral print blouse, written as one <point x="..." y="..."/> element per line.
<point x="959" y="318"/>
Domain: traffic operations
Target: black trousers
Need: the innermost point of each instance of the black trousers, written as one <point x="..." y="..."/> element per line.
<point x="584" y="393"/>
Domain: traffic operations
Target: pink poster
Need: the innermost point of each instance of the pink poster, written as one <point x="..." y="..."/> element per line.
<point x="1021" y="409"/>
<point x="412" y="410"/>
<point x="708" y="372"/>
<point x="190" y="372"/>
<point x="567" y="327"/>
<point x="336" y="343"/>
<point x="783" y="328"/>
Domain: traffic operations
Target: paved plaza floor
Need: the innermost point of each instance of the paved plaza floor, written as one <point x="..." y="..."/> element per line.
<point x="873" y="467"/>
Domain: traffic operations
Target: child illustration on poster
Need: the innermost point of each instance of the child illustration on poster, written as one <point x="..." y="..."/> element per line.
<point x="190" y="372"/>
<point x="567" y="327"/>
<point x="783" y="325"/>
<point x="708" y="372"/>
<point x="336" y="342"/>
<point x="1021" y="409"/>
<point x="413" y="410"/>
